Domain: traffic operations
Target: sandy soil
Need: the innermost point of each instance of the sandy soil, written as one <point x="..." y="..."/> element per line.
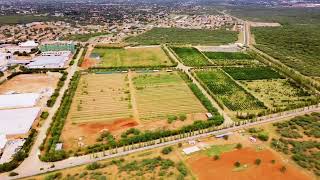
<point x="30" y="83"/>
<point x="207" y="168"/>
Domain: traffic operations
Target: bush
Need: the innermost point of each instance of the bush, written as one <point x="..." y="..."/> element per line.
<point x="257" y="161"/>
<point x="182" y="169"/>
<point x="172" y="118"/>
<point x="179" y="145"/>
<point x="239" y="146"/>
<point x="283" y="169"/>
<point x="273" y="161"/>
<point x="167" y="150"/>
<point x="263" y="136"/>
<point x="44" y="115"/>
<point x="93" y="166"/>
<point x="182" y="117"/>
<point x="216" y="157"/>
<point x="237" y="164"/>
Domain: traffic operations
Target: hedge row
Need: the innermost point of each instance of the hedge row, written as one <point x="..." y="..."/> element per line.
<point x="55" y="95"/>
<point x="56" y="127"/>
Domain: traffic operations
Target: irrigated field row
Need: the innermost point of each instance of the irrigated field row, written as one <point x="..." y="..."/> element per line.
<point x="160" y="95"/>
<point x="252" y="73"/>
<point x="101" y="97"/>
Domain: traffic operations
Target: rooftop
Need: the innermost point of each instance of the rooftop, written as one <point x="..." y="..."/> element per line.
<point x="18" y="100"/>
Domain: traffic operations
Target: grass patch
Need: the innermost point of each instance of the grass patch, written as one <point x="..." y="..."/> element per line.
<point x="219" y="149"/>
<point x="131" y="57"/>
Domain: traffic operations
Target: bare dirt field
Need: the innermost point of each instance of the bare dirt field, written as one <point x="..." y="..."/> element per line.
<point x="30" y="83"/>
<point x="207" y="168"/>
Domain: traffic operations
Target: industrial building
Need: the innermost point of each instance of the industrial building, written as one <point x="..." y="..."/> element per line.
<point x="16" y="122"/>
<point x="21" y="47"/>
<point x="58" y="46"/>
<point x="11" y="101"/>
<point x="49" y="62"/>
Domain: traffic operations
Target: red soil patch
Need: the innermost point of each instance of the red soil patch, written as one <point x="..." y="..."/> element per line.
<point x="207" y="168"/>
<point x="93" y="128"/>
<point x="88" y="63"/>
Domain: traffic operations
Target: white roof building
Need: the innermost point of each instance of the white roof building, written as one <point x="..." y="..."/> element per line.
<point x="191" y="149"/>
<point x="18" y="100"/>
<point x="4" y="59"/>
<point x="18" y="121"/>
<point x="48" y="62"/>
<point x="30" y="44"/>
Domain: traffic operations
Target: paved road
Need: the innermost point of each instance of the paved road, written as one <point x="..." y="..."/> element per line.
<point x="33" y="160"/>
<point x="76" y="161"/>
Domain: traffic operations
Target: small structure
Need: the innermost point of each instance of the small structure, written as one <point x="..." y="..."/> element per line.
<point x="225" y="134"/>
<point x="58" y="146"/>
<point x="209" y="115"/>
<point x="4" y="60"/>
<point x="192" y="142"/>
<point x="252" y="139"/>
<point x="190" y="150"/>
<point x="9" y="101"/>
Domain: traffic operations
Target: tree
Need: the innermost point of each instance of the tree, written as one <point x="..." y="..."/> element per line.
<point x="239" y="146"/>
<point x="182" y="117"/>
<point x="283" y="169"/>
<point x="180" y="145"/>
<point x="167" y="150"/>
<point x="257" y="161"/>
<point x="216" y="157"/>
<point x="273" y="161"/>
<point x="237" y="164"/>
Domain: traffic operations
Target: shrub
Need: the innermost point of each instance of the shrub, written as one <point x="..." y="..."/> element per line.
<point x="216" y="157"/>
<point x="182" y="169"/>
<point x="237" y="164"/>
<point x="179" y="145"/>
<point x="257" y="161"/>
<point x="44" y="115"/>
<point x="239" y="146"/>
<point x="273" y="161"/>
<point x="182" y="117"/>
<point x="263" y="136"/>
<point x="172" y="117"/>
<point x="167" y="150"/>
<point x="93" y="166"/>
<point x="283" y="169"/>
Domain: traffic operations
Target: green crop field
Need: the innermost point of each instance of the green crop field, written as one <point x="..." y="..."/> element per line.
<point x="228" y="91"/>
<point x="252" y="73"/>
<point x="228" y="55"/>
<point x="185" y="36"/>
<point x="131" y="57"/>
<point x="190" y="56"/>
<point x="162" y="94"/>
<point x="100" y="98"/>
<point x="280" y="93"/>
<point x="82" y="37"/>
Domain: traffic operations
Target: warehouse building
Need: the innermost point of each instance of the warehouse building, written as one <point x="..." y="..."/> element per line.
<point x="58" y="46"/>
<point x="48" y="62"/>
<point x="16" y="122"/>
<point x="4" y="60"/>
<point x="10" y="101"/>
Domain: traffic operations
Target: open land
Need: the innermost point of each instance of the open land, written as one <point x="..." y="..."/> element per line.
<point x="116" y="102"/>
<point x="190" y="56"/>
<point x="185" y="36"/>
<point x="131" y="57"/>
<point x="101" y="102"/>
<point x="161" y="95"/>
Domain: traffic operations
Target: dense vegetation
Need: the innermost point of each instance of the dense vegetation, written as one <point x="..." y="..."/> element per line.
<point x="83" y="37"/>
<point x="227" y="55"/>
<point x="299" y="139"/>
<point x="55" y="94"/>
<point x="184" y="36"/>
<point x="51" y="154"/>
<point x="297" y="46"/>
<point x="252" y="73"/>
<point x="190" y="56"/>
<point x="228" y="91"/>
<point x="23" y="19"/>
